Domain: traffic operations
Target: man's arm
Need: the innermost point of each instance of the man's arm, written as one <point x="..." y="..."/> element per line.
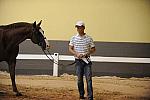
<point x="71" y="50"/>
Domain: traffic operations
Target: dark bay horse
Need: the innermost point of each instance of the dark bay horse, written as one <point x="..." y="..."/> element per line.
<point x="11" y="36"/>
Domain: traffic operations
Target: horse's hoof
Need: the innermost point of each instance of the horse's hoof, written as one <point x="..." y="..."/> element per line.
<point x="18" y="94"/>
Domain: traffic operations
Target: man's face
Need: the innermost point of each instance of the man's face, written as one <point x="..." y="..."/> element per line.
<point x="80" y="29"/>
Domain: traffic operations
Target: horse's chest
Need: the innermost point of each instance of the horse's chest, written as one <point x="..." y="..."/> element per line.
<point x="2" y="54"/>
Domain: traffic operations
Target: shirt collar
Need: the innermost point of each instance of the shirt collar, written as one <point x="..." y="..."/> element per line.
<point x="84" y="36"/>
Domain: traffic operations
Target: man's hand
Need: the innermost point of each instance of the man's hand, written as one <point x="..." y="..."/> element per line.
<point x="87" y="55"/>
<point x="80" y="56"/>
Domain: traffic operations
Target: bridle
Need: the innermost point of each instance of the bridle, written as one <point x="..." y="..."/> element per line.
<point x="38" y="38"/>
<point x="47" y="50"/>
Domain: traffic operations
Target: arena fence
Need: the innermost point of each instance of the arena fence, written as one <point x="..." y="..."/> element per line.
<point x="58" y="57"/>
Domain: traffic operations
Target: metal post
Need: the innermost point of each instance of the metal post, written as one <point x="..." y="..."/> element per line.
<point x="55" y="65"/>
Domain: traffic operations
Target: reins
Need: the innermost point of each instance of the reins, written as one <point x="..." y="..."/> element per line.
<point x="54" y="61"/>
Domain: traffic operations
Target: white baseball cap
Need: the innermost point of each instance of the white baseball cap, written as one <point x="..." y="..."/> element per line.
<point x="80" y="23"/>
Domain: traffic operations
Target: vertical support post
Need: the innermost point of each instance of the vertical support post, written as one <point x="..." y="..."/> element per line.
<point x="55" y="64"/>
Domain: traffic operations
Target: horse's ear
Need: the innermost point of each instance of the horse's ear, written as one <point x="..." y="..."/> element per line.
<point x="39" y="23"/>
<point x="34" y="24"/>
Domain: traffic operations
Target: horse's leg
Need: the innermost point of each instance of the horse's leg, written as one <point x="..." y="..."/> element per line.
<point x="12" y="65"/>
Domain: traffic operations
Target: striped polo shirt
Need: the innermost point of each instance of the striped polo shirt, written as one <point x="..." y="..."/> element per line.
<point x="81" y="44"/>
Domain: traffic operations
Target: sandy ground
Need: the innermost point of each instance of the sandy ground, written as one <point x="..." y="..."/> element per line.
<point x="45" y="87"/>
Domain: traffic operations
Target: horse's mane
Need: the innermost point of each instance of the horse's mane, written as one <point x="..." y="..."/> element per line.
<point x="15" y="25"/>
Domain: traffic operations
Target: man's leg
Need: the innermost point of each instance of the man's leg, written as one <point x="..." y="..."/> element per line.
<point x="88" y="76"/>
<point x="80" y="73"/>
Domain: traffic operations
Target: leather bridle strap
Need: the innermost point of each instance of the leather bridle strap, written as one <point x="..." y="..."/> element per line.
<point x="54" y="61"/>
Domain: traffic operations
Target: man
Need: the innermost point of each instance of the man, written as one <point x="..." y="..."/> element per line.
<point x="82" y="46"/>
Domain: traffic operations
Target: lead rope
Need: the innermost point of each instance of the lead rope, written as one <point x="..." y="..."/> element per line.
<point x="54" y="61"/>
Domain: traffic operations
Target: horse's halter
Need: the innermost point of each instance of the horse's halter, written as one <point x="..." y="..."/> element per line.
<point x="39" y="38"/>
<point x="40" y="42"/>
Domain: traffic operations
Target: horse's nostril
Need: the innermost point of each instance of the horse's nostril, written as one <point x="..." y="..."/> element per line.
<point x="48" y="47"/>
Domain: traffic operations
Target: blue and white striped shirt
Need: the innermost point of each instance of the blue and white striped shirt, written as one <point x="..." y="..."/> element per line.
<point x="82" y="44"/>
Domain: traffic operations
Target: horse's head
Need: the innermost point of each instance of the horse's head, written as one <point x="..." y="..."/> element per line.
<point x="38" y="36"/>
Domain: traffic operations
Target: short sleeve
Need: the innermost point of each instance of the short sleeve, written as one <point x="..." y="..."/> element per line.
<point x="71" y="43"/>
<point x="92" y="43"/>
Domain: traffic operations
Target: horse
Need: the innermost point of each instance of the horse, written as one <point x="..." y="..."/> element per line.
<point x="11" y="36"/>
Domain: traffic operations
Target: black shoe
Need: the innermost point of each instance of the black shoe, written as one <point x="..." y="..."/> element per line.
<point x="82" y="97"/>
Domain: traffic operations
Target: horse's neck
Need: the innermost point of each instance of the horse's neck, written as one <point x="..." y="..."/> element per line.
<point x="18" y="35"/>
<point x="23" y="34"/>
